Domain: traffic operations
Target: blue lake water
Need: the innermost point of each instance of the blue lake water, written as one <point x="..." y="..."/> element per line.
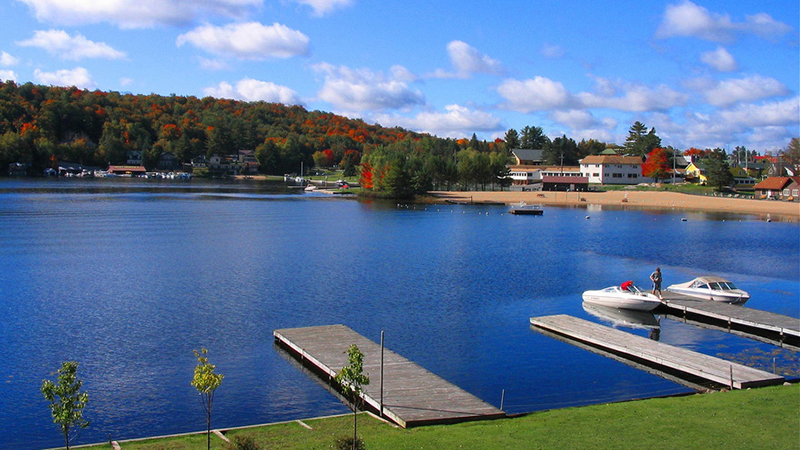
<point x="127" y="277"/>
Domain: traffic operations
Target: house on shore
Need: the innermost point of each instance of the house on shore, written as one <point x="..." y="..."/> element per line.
<point x="610" y="169"/>
<point x="779" y="188"/>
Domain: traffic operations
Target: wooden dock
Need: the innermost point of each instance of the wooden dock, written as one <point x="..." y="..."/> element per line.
<point x="408" y="394"/>
<point x="656" y="354"/>
<point x="776" y="328"/>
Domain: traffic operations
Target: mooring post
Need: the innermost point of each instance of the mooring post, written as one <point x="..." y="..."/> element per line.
<point x="381" y="373"/>
<point x="731" y="377"/>
<point x="502" y="399"/>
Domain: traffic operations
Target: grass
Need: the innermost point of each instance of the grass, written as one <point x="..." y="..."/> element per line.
<point x="757" y="418"/>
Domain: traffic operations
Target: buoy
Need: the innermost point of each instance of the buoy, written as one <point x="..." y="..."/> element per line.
<point x="683" y="219"/>
<point x="587" y="217"/>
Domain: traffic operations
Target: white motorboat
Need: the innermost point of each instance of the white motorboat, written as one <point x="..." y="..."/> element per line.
<point x="625" y="296"/>
<point x="711" y="288"/>
<point x="627" y="318"/>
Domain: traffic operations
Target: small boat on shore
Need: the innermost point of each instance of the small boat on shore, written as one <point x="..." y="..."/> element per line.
<point x="526" y="210"/>
<point x="711" y="288"/>
<point x="625" y="296"/>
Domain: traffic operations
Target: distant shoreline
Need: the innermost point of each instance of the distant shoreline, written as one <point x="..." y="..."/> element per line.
<point x="789" y="211"/>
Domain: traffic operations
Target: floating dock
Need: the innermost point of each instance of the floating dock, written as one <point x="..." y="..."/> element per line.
<point x="643" y="351"/>
<point x="775" y="328"/>
<point x="408" y="395"/>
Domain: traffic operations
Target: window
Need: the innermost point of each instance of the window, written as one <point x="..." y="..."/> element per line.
<point x="633" y="175"/>
<point x="616" y="175"/>
<point x="794" y="192"/>
<point x="786" y="192"/>
<point x="595" y="174"/>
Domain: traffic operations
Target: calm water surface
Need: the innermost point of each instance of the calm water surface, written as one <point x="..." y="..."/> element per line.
<point x="129" y="276"/>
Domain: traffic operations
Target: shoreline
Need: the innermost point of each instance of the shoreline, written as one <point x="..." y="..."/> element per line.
<point x="662" y="200"/>
<point x="788" y="211"/>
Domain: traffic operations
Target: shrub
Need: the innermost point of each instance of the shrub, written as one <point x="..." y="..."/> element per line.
<point x="242" y="442"/>
<point x="346" y="443"/>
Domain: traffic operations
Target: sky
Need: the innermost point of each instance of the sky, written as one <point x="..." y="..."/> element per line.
<point x="704" y="74"/>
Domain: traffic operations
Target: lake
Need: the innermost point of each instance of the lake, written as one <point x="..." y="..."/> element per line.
<point x="128" y="276"/>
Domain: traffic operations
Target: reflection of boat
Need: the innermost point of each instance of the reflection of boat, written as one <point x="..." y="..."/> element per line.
<point x="630" y="318"/>
<point x="522" y="209"/>
<point x="626" y="296"/>
<point x="712" y="288"/>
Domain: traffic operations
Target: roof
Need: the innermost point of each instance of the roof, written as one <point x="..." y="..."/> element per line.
<point x="773" y="183"/>
<point x="565" y="180"/>
<point x="612" y="159"/>
<point x="571" y="169"/>
<point x="525" y="154"/>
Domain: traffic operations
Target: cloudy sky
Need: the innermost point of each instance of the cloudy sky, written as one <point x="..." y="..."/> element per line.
<point x="703" y="73"/>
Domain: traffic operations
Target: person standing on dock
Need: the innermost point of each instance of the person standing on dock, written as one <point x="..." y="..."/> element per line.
<point x="656" y="278"/>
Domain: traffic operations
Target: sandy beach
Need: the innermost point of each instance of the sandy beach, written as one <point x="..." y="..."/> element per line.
<point x="778" y="210"/>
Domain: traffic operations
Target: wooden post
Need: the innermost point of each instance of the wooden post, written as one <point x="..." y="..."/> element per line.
<point x="502" y="399"/>
<point x="382" y="373"/>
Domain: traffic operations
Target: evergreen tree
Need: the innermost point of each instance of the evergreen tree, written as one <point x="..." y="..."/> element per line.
<point x="512" y="139"/>
<point x="533" y="138"/>
<point x="718" y="171"/>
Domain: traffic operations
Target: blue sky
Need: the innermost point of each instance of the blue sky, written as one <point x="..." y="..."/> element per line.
<point x="703" y="73"/>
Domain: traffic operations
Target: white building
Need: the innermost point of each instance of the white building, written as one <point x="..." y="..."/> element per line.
<point x="611" y="169"/>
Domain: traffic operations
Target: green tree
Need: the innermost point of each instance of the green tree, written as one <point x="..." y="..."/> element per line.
<point x="718" y="171"/>
<point x="512" y="139"/>
<point x="352" y="379"/>
<point x="533" y="138"/>
<point x="561" y="150"/>
<point x="67" y="401"/>
<point x="206" y="381"/>
<point x="640" y="141"/>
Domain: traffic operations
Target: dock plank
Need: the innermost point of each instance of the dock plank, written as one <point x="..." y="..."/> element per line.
<point x="696" y="364"/>
<point x="735" y="314"/>
<point x="412" y="395"/>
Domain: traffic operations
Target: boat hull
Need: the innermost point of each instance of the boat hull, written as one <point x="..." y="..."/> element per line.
<point x="636" y="302"/>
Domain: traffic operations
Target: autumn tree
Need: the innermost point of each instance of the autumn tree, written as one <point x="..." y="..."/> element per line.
<point x="657" y="165"/>
<point x="67" y="401"/>
<point x="352" y="379"/>
<point x="206" y="381"/>
<point x="792" y="152"/>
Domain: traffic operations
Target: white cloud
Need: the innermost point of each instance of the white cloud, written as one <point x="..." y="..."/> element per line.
<point x="78" y="77"/>
<point x="575" y="118"/>
<point x="251" y="40"/>
<point x="757" y="87"/>
<point x="136" y="13"/>
<point x="553" y="51"/>
<point x="719" y="60"/>
<point x="690" y="20"/>
<point x="60" y="43"/>
<point x="252" y="90"/>
<point x="213" y="64"/>
<point x="125" y="81"/>
<point x="781" y="113"/>
<point x="457" y="121"/>
<point x="7" y="60"/>
<point x="365" y="90"/>
<point x="323" y="7"/>
<point x="535" y="94"/>
<point x="467" y="60"/>
<point x="634" y="97"/>
<point x="8" y="75"/>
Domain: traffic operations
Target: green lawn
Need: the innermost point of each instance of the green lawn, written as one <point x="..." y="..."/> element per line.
<point x="750" y="419"/>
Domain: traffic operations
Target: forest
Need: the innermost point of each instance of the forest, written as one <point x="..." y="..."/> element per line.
<point x="42" y="126"/>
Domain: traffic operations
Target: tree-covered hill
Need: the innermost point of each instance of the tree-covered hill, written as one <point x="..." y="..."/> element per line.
<point x="40" y="125"/>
